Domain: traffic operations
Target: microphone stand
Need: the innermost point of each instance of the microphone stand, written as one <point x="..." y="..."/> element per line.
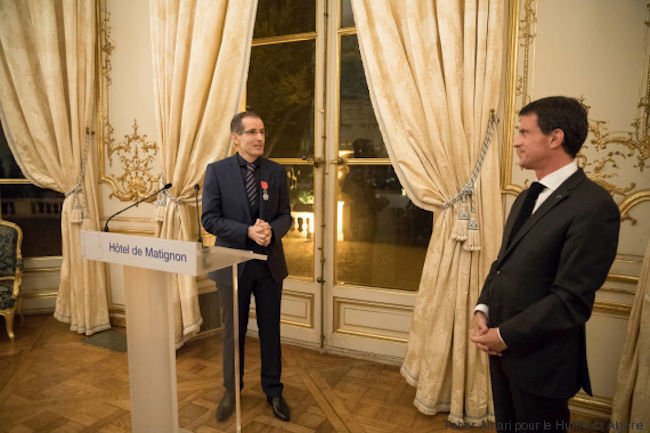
<point x="167" y="186"/>
<point x="198" y="217"/>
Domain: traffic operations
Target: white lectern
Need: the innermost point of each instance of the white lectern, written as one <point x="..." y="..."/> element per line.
<point x="149" y="315"/>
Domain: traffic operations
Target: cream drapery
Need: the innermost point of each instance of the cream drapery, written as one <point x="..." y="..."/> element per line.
<point x="47" y="96"/>
<point x="201" y="50"/>
<point x="433" y="69"/>
<point x="632" y="398"/>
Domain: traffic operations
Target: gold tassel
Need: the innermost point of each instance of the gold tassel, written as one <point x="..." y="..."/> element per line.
<point x="159" y="207"/>
<point x="459" y="232"/>
<point x="77" y="211"/>
<point x="159" y="212"/>
<point x="473" y="242"/>
<point x="76" y="216"/>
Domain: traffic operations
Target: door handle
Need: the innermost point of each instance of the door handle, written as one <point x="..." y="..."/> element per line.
<point x="316" y="162"/>
<point x="339" y="161"/>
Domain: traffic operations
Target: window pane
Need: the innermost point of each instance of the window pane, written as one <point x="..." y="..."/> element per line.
<point x="359" y="133"/>
<point x="281" y="89"/>
<point x="347" y="20"/>
<point x="299" y="242"/>
<point x="284" y="17"/>
<point x="8" y="167"/>
<point x="382" y="236"/>
<point x="38" y="213"/>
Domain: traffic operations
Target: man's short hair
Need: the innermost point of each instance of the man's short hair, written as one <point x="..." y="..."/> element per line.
<point x="236" y="124"/>
<point x="561" y="112"/>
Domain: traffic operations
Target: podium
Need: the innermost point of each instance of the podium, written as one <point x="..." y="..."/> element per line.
<point x="148" y="263"/>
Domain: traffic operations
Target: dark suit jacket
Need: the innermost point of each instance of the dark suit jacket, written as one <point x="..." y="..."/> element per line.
<point x="540" y="291"/>
<point x="227" y="212"/>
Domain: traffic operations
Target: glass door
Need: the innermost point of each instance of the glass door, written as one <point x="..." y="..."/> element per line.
<point x="357" y="245"/>
<point x="285" y="86"/>
<point x="378" y="241"/>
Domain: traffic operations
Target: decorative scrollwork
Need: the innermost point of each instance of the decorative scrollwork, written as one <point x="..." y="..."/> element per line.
<point x="526" y="38"/>
<point x="636" y="141"/>
<point x="107" y="45"/>
<point x="136" y="154"/>
<point x="599" y="169"/>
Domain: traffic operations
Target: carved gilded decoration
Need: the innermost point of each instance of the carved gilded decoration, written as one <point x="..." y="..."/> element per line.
<point x="136" y="154"/>
<point x="635" y="141"/>
<point x="526" y="36"/>
<point x="132" y="157"/>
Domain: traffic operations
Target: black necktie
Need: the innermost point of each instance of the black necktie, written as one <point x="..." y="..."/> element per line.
<point x="251" y="187"/>
<point x="527" y="207"/>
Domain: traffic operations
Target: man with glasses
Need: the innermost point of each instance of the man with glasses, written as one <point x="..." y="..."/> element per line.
<point x="246" y="206"/>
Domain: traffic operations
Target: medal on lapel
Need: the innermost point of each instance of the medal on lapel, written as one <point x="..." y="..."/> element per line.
<point x="265" y="190"/>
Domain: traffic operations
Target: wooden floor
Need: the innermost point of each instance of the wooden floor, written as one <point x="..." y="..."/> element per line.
<point x="51" y="382"/>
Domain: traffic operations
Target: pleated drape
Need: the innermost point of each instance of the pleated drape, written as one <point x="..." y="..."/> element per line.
<point x="47" y="100"/>
<point x="433" y="69"/>
<point x="632" y="399"/>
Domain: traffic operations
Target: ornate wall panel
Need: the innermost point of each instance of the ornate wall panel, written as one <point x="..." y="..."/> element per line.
<point x="128" y="155"/>
<point x="597" y="51"/>
<point x="128" y="162"/>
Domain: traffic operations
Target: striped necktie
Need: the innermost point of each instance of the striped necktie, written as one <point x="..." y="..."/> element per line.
<point x="251" y="187"/>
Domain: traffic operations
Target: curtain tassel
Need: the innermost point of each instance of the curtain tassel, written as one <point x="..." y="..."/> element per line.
<point x="460" y="232"/>
<point x="77" y="216"/>
<point x="78" y="211"/>
<point x="159" y="207"/>
<point x="473" y="242"/>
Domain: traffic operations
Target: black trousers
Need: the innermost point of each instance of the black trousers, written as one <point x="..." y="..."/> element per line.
<point x="255" y="280"/>
<point x="516" y="410"/>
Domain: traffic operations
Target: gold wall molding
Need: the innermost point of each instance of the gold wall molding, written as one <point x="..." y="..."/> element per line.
<point x="590" y="413"/>
<point x="41" y="270"/>
<point x="592" y="403"/>
<point x="526" y="37"/>
<point x="612" y="308"/>
<point x="53" y="293"/>
<point x="135" y="152"/>
<point x="622" y="278"/>
<point x="106" y="42"/>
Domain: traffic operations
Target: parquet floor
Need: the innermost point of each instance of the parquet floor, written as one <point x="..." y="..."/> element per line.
<point x="51" y="382"/>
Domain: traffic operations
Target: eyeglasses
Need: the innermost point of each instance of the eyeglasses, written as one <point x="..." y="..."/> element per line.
<point x="252" y="132"/>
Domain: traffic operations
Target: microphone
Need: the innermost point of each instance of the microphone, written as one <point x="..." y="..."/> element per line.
<point x="198" y="217"/>
<point x="167" y="186"/>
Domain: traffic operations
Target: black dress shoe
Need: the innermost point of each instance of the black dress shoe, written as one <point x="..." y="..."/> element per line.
<point x="226" y="406"/>
<point x="280" y="407"/>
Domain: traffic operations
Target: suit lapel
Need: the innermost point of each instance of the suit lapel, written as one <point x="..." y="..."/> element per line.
<point x="559" y="195"/>
<point x="507" y="231"/>
<point x="264" y="176"/>
<point x="235" y="174"/>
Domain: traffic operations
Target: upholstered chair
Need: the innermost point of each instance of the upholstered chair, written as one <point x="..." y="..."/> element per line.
<point x="11" y="270"/>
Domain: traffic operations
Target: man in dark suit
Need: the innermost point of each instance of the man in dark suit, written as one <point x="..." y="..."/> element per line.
<point x="246" y="206"/>
<point x="540" y="291"/>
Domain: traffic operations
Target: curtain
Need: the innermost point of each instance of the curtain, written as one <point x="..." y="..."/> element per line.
<point x="632" y="397"/>
<point x="201" y="51"/>
<point x="47" y="101"/>
<point x="433" y="69"/>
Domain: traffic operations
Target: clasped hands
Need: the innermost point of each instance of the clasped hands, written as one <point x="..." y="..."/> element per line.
<point x="486" y="338"/>
<point x="260" y="232"/>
